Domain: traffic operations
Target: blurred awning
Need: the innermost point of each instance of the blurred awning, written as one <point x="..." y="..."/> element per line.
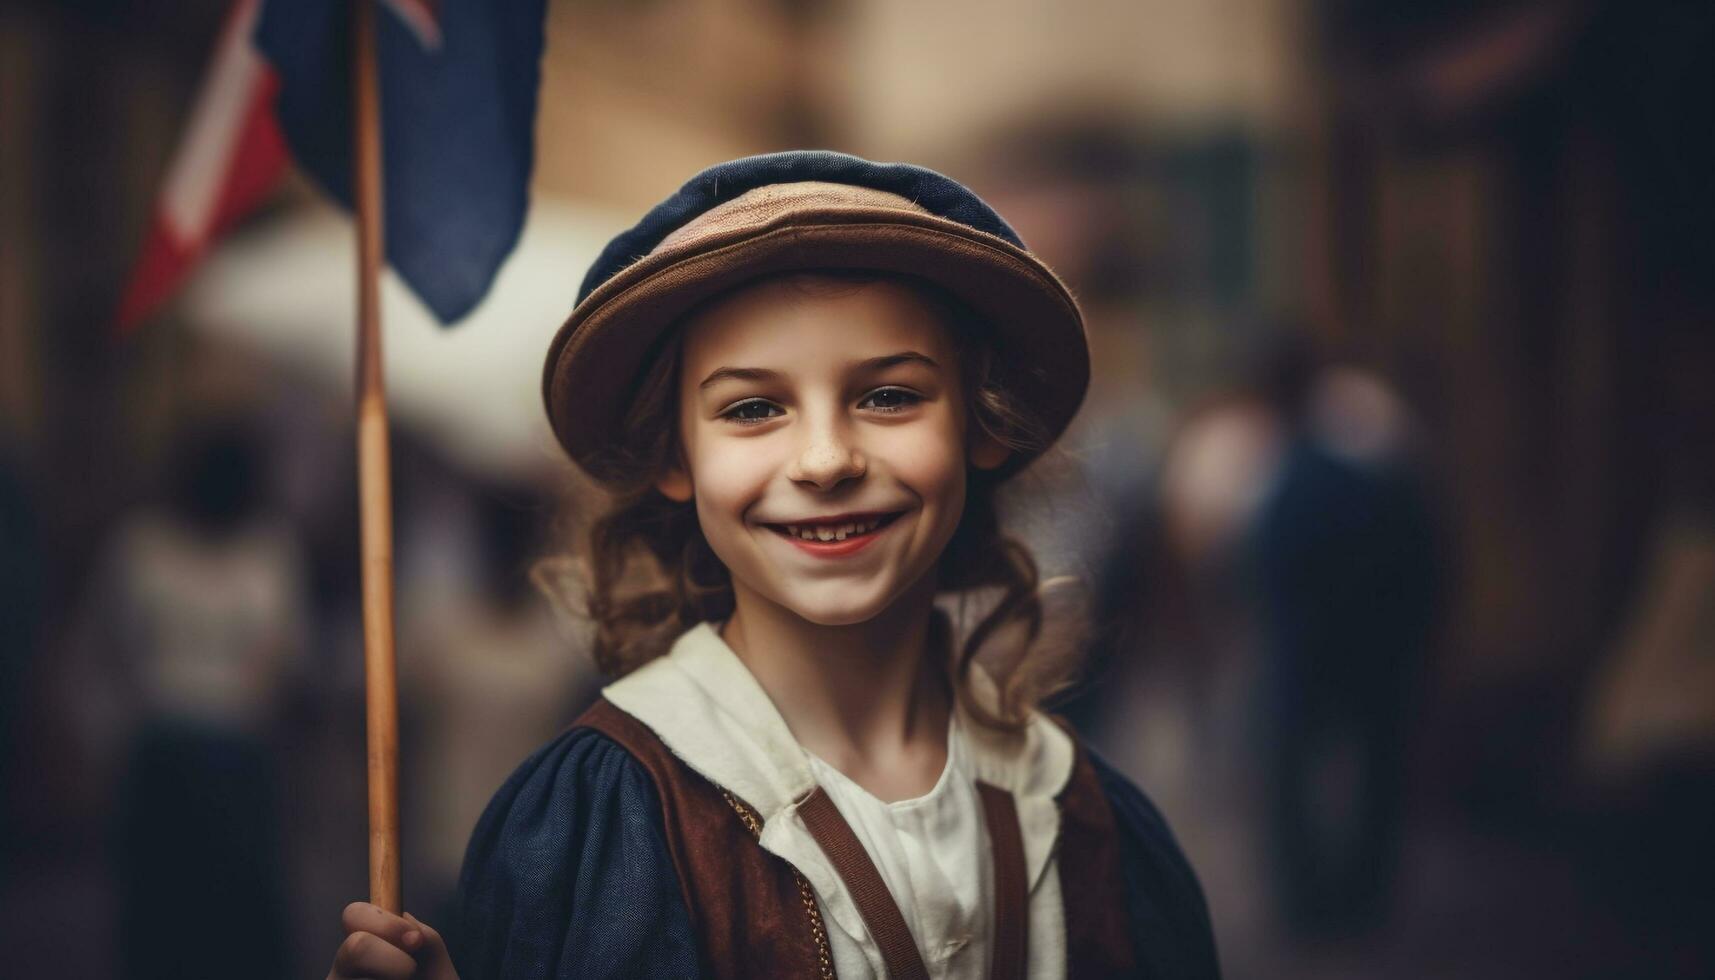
<point x="287" y="289"/>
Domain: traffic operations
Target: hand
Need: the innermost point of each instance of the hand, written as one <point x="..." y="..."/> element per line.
<point x="382" y="946"/>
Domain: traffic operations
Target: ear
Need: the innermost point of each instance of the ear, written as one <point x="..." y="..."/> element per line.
<point x="986" y="452"/>
<point x="675" y="483"/>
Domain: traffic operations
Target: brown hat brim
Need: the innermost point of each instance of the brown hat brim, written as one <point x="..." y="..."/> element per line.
<point x="595" y="360"/>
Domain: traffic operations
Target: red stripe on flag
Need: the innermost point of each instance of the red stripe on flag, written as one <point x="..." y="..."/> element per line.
<point x="159" y="270"/>
<point x="258" y="161"/>
<point x="233" y="157"/>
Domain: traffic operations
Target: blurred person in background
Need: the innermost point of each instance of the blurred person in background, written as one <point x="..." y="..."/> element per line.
<point x="1646" y="765"/>
<point x="190" y="639"/>
<point x="1645" y="762"/>
<point x="1346" y="574"/>
<point x="491" y="676"/>
<point x="1304" y="490"/>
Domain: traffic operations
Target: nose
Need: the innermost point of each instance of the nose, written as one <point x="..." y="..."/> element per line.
<point x="827" y="459"/>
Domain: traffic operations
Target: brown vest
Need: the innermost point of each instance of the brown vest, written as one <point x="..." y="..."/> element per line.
<point x="753" y="916"/>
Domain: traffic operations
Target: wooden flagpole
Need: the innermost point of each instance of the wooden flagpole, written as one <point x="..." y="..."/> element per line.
<point x="374" y="486"/>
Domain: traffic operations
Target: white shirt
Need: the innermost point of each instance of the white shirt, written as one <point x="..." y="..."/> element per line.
<point x="932" y="852"/>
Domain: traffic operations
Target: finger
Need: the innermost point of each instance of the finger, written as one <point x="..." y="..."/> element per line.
<point x="373" y="919"/>
<point x="431" y="940"/>
<point x="432" y="953"/>
<point x="365" y="954"/>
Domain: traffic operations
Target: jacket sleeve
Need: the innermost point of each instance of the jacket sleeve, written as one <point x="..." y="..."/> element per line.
<point x="568" y="874"/>
<point x="1169" y="917"/>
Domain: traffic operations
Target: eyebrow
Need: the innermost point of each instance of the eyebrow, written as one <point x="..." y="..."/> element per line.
<point x="738" y="374"/>
<point x="893" y="360"/>
<point x="764" y="374"/>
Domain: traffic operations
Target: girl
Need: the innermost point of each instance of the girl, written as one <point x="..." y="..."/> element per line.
<point x="803" y="377"/>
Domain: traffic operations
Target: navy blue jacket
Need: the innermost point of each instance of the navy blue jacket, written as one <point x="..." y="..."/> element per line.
<point x="568" y="876"/>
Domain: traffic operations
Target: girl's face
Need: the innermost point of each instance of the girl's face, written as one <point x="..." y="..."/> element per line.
<point x="824" y="436"/>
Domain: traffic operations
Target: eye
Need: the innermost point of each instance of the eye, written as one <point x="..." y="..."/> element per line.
<point x="890" y="399"/>
<point x="751" y="411"/>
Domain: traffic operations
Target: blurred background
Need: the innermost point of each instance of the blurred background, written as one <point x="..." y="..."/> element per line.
<point x="1394" y="496"/>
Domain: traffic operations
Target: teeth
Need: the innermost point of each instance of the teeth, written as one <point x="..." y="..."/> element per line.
<point x="832" y="532"/>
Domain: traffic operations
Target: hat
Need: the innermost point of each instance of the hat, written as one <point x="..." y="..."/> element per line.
<point x="797" y="211"/>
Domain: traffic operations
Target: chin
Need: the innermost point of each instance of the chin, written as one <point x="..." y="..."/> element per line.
<point x="833" y="606"/>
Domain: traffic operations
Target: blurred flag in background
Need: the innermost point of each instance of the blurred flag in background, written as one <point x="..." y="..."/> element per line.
<point x="228" y="161"/>
<point x="458" y="108"/>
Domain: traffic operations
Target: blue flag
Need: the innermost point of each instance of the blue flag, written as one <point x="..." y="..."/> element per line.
<point x="458" y="114"/>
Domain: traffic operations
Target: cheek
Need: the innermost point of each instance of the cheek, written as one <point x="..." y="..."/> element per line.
<point x="729" y="474"/>
<point x="930" y="459"/>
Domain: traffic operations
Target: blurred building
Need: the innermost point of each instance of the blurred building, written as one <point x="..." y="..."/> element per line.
<point x="1511" y="221"/>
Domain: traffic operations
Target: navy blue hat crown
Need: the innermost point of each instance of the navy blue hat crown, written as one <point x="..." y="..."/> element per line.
<point x="937" y="193"/>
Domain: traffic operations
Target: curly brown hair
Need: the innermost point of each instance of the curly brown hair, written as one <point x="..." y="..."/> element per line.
<point x="646" y="573"/>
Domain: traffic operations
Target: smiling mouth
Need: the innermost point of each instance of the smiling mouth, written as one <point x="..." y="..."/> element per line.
<point x="848" y="528"/>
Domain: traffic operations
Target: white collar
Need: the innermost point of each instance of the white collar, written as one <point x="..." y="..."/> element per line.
<point x="708" y="709"/>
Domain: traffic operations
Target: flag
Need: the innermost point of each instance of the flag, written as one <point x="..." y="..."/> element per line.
<point x="228" y="161"/>
<point x="458" y="85"/>
<point x="457" y="121"/>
